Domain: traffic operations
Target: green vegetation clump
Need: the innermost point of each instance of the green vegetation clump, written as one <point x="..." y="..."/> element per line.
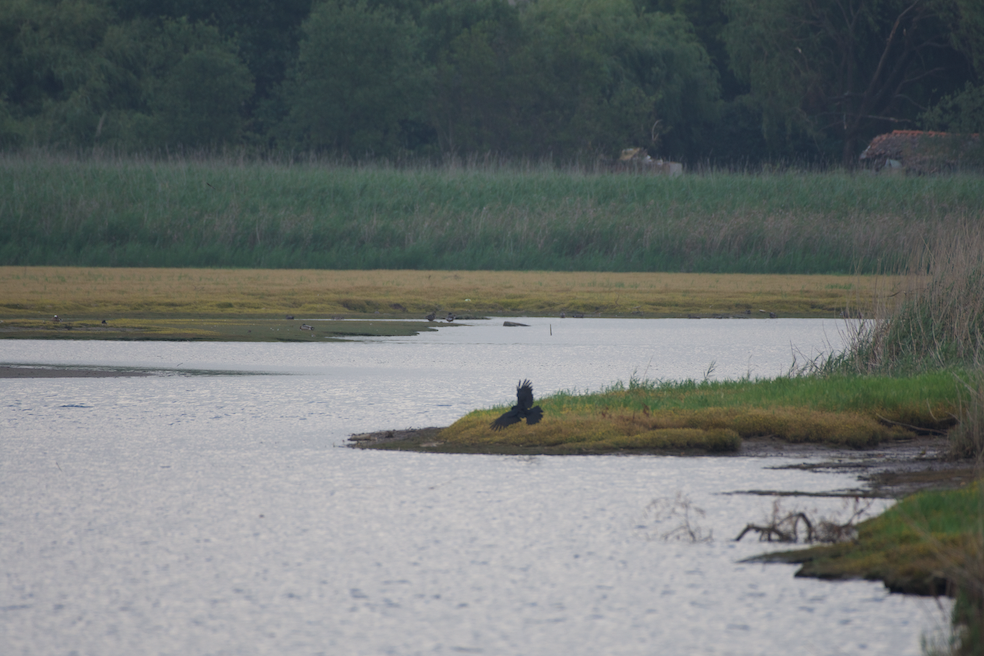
<point x="903" y="545"/>
<point x="222" y="213"/>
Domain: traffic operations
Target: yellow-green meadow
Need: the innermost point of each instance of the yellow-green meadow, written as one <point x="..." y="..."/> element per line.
<point x="98" y="293"/>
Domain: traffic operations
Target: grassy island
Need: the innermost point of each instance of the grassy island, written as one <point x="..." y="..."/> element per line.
<point x="715" y="417"/>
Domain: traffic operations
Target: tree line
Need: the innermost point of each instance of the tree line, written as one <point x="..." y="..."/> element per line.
<point x="722" y="82"/>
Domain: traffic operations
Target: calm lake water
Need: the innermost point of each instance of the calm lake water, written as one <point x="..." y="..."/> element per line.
<point x="218" y="512"/>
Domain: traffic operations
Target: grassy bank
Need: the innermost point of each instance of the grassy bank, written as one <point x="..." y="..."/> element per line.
<point x="906" y="545"/>
<point x="931" y="543"/>
<point x="220" y="213"/>
<point x="79" y="293"/>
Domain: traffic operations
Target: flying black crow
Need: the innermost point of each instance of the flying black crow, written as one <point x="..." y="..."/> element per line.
<point x="524" y="408"/>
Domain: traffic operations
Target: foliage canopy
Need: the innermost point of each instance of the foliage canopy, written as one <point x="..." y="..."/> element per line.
<point x="720" y="81"/>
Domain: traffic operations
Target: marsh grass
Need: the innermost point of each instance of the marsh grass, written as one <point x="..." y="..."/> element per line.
<point x="962" y="563"/>
<point x="104" y="211"/>
<point x="967" y="437"/>
<point x="717" y="416"/>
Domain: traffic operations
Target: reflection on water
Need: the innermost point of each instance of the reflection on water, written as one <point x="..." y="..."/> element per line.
<point x="219" y="515"/>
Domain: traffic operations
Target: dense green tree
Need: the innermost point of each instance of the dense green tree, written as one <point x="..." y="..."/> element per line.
<point x="708" y="19"/>
<point x="963" y="110"/>
<point x="736" y="138"/>
<point x="471" y="44"/>
<point x="444" y="20"/>
<point x="839" y="69"/>
<point x="59" y="75"/>
<point x="75" y="75"/>
<point x="599" y="75"/>
<point x="966" y="19"/>
<point x="265" y="33"/>
<point x="359" y="75"/>
<point x="193" y="87"/>
<point x="201" y="100"/>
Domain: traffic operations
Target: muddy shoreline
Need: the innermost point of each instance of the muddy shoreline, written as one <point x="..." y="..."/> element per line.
<point x="891" y="470"/>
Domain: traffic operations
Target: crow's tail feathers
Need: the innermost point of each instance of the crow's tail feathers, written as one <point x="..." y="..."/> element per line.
<point x="534" y="415"/>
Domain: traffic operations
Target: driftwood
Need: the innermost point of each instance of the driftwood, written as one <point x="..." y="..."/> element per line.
<point x="785" y="528"/>
<point x="789" y="534"/>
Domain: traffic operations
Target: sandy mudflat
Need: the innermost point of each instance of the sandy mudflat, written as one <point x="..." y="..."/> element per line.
<point x="7" y="371"/>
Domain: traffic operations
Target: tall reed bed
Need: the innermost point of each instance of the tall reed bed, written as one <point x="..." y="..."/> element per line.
<point x="934" y="316"/>
<point x="218" y="212"/>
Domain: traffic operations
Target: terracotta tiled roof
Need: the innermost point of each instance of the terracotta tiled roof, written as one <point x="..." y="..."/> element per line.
<point x="896" y="143"/>
<point x="920" y="150"/>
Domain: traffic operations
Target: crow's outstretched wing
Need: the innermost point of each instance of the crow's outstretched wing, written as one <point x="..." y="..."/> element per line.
<point x="524" y="408"/>
<point x="507" y="419"/>
<point x="524" y="396"/>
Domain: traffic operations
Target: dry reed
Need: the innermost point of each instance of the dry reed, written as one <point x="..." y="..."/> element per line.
<point x="932" y="316"/>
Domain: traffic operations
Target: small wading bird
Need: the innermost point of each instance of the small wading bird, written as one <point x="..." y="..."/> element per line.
<point x="524" y="408"/>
